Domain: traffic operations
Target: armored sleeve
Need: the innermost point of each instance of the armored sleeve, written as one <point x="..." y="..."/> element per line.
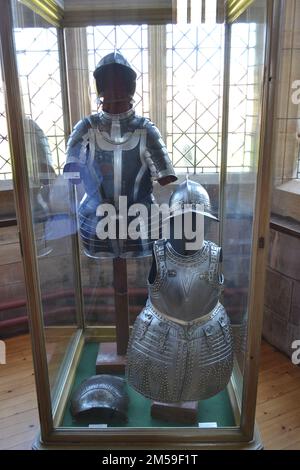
<point x="77" y="149"/>
<point x="156" y="154"/>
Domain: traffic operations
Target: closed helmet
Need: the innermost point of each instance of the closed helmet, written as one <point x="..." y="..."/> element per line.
<point x="105" y="69"/>
<point x="190" y="196"/>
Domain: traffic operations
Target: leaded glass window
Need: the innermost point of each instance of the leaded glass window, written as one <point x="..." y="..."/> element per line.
<point x="244" y="95"/>
<point x="194" y="96"/>
<point x="38" y="63"/>
<point x="188" y="90"/>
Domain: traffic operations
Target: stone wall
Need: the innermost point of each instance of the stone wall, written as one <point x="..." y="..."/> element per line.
<point x="282" y="296"/>
<point x="282" y="299"/>
<point x="286" y="138"/>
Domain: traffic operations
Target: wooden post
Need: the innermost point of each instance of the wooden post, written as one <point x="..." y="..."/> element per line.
<point x="112" y="356"/>
<point x="121" y="304"/>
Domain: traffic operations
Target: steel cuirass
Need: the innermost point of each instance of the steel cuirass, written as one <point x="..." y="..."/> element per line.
<point x="116" y="155"/>
<point x="186" y="287"/>
<point x="181" y="346"/>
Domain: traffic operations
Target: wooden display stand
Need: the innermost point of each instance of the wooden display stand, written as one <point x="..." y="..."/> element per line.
<point x="183" y="413"/>
<point x="112" y="356"/>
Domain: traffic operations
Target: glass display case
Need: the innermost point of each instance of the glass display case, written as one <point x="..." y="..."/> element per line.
<point x="203" y="73"/>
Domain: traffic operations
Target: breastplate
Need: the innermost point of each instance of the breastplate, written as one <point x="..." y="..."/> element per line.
<point x="116" y="156"/>
<point x="115" y="167"/>
<point x="186" y="287"/>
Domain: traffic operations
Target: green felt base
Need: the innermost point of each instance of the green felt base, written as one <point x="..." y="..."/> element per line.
<point x="217" y="409"/>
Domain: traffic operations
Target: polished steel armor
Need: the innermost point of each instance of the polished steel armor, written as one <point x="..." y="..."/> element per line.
<point x="115" y="155"/>
<point x="186" y="287"/>
<point x="181" y="344"/>
<point x="190" y="196"/>
<point x="100" y="399"/>
<point x="106" y="67"/>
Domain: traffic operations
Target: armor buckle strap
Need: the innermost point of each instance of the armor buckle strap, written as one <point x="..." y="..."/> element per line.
<point x="225" y="329"/>
<point x="161" y="257"/>
<point x="209" y="333"/>
<point x="144" y="327"/>
<point x="197" y="321"/>
<point x="163" y="337"/>
<point x="213" y="265"/>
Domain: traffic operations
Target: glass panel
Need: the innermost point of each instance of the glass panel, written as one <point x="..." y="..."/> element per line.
<point x="194" y="58"/>
<point x="180" y="347"/>
<point x="132" y="41"/>
<point x="5" y="163"/>
<point x="51" y="196"/>
<point x="193" y="128"/>
<point x="245" y="95"/>
<point x="194" y="89"/>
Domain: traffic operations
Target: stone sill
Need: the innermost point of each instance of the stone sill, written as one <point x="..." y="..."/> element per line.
<point x="6" y="185"/>
<point x="286" y="200"/>
<point x="285" y="225"/>
<point x="291" y="187"/>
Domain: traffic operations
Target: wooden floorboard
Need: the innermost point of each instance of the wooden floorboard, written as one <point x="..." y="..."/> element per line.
<point x="18" y="404"/>
<point x="278" y="401"/>
<point x="278" y="404"/>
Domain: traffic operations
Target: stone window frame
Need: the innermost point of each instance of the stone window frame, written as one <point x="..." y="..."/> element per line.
<point x="286" y="137"/>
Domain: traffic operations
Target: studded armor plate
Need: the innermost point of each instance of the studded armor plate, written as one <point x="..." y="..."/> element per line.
<point x="181" y="346"/>
<point x="170" y="362"/>
<point x="116" y="155"/>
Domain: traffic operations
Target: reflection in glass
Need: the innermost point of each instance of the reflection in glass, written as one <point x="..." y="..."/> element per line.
<point x="187" y="87"/>
<point x="5" y="163"/>
<point x="39" y="72"/>
<point x="245" y="92"/>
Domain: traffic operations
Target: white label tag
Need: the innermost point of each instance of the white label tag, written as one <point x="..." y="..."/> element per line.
<point x="97" y="426"/>
<point x="207" y="425"/>
<point x="71" y="175"/>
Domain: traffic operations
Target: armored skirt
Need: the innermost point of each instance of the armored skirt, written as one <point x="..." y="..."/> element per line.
<point x="170" y="363"/>
<point x="172" y="359"/>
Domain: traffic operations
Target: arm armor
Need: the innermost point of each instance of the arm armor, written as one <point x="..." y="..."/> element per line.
<point x="156" y="154"/>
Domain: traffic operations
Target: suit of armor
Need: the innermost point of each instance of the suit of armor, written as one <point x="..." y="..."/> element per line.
<point x="181" y="345"/>
<point x="116" y="154"/>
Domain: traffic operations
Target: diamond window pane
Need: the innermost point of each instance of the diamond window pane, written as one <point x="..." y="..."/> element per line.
<point x="194" y="93"/>
<point x="244" y="95"/>
<point x="38" y="64"/>
<point x="194" y="76"/>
